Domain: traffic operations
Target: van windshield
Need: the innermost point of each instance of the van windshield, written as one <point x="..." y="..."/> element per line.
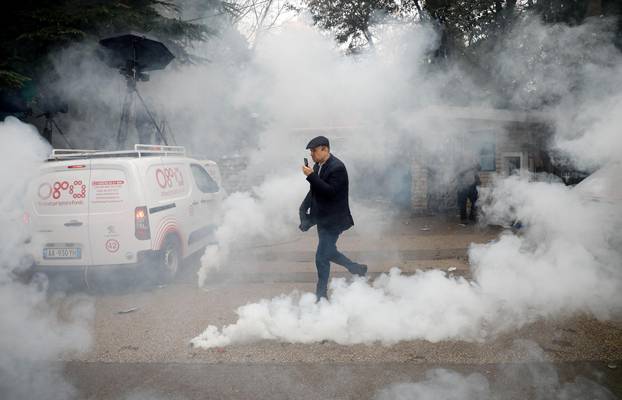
<point x="204" y="181"/>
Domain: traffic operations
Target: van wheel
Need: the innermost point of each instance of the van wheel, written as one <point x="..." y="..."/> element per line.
<point x="170" y="259"/>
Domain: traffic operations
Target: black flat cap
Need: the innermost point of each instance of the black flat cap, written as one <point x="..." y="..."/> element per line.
<point x="318" y="141"/>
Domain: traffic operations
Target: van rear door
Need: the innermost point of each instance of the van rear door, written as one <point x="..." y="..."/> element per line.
<point x="59" y="214"/>
<point x="112" y="214"/>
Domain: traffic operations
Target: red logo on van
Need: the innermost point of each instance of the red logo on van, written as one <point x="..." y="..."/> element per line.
<point x="112" y="245"/>
<point x="108" y="183"/>
<point x="77" y="190"/>
<point x="169" y="177"/>
<point x="45" y="191"/>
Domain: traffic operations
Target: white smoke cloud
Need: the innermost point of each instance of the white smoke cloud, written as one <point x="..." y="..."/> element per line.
<point x="33" y="335"/>
<point x="395" y="307"/>
<point x="565" y="261"/>
<point x="25" y="151"/>
<point x="533" y="378"/>
<point x="300" y="85"/>
<point x="382" y="101"/>
<point x="575" y="74"/>
<point x="264" y="214"/>
<point x="440" y="384"/>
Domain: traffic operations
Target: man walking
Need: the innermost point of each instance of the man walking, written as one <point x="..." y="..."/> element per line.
<point x="468" y="181"/>
<point x="326" y="205"/>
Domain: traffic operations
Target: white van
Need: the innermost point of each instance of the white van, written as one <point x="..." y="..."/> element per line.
<point x="125" y="208"/>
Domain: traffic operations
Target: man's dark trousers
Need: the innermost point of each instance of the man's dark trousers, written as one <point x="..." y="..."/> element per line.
<point x="327" y="252"/>
<point x="469" y="193"/>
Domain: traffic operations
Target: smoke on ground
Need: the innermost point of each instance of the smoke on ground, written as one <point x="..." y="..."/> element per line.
<point x="36" y="328"/>
<point x="533" y="379"/>
<point x="565" y="260"/>
<point x="264" y="214"/>
<point x="379" y="108"/>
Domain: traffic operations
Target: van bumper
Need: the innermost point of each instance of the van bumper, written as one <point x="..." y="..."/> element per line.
<point x="145" y="259"/>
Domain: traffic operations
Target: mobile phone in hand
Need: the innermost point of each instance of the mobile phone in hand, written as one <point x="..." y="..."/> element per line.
<point x="306" y="162"/>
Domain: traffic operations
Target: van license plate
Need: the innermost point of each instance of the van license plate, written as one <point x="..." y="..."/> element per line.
<point x="61" y="252"/>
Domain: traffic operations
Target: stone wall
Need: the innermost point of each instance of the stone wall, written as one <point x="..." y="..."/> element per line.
<point x="419" y="188"/>
<point x="232" y="171"/>
<point x="511" y="139"/>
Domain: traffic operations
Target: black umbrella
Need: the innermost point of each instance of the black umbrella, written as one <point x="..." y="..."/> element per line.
<point x="145" y="54"/>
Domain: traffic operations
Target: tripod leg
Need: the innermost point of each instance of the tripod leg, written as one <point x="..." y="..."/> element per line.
<point x="124" y="124"/>
<point x="62" y="134"/>
<point x="160" y="133"/>
<point x="47" y="130"/>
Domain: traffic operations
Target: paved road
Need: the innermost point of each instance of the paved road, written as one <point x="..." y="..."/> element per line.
<point x="145" y="353"/>
<point x="304" y="381"/>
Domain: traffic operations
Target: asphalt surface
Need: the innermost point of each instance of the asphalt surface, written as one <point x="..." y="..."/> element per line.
<point x="144" y="352"/>
<point x="317" y="380"/>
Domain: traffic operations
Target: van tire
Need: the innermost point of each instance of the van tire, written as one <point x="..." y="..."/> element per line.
<point x="170" y="259"/>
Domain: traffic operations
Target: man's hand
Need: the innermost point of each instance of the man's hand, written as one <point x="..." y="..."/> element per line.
<point x="307" y="170"/>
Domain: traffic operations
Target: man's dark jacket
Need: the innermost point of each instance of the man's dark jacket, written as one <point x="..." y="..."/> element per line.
<point x="327" y="198"/>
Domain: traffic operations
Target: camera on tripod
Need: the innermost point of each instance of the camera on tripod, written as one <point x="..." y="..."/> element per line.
<point x="133" y="55"/>
<point x="49" y="106"/>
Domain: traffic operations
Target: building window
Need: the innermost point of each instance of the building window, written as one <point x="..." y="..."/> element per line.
<point x="487" y="159"/>
<point x="482" y="144"/>
<point x="513" y="163"/>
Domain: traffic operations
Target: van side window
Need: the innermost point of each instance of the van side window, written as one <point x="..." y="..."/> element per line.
<point x="204" y="181"/>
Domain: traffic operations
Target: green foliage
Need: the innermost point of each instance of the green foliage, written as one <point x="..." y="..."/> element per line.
<point x="567" y="11"/>
<point x="350" y="19"/>
<point x="12" y="80"/>
<point x="31" y="29"/>
<point x="464" y="24"/>
<point x="463" y="21"/>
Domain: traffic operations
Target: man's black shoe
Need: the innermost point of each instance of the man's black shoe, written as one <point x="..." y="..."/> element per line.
<point x="362" y="270"/>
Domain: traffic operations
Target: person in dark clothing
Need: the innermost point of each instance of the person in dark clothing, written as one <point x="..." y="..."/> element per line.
<point x="468" y="181"/>
<point x="327" y="206"/>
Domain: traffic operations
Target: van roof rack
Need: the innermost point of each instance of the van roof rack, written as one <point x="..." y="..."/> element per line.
<point x="140" y="150"/>
<point x="159" y="149"/>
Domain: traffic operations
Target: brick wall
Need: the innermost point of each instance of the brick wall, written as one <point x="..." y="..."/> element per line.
<point x="419" y="187"/>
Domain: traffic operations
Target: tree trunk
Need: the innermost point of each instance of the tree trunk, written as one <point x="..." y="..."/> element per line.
<point x="369" y="37"/>
<point x="498" y="8"/>
<point x="507" y="15"/>
<point x="594" y="8"/>
<point x="419" y="10"/>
